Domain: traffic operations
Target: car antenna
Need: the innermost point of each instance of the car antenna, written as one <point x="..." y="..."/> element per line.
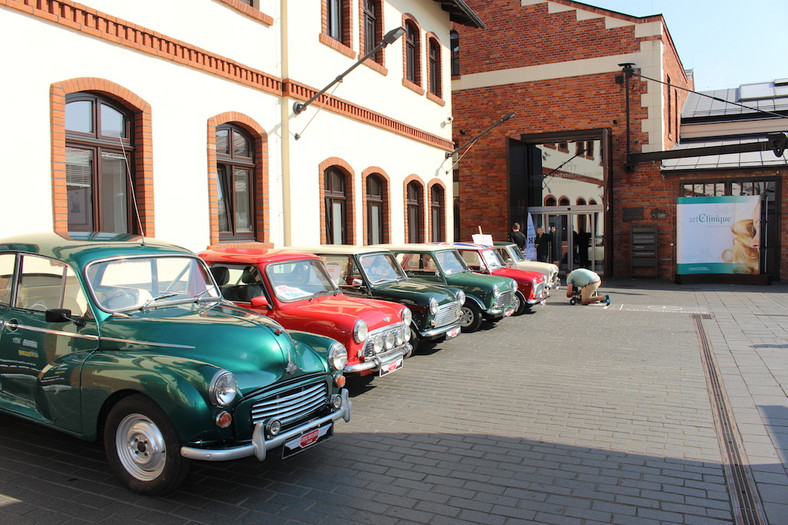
<point x="133" y="192"/>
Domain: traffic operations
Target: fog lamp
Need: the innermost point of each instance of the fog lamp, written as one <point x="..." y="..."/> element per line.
<point x="273" y="427"/>
<point x="336" y="401"/>
<point x="390" y="340"/>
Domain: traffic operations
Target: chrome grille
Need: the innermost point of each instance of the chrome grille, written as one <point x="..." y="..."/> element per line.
<point x="540" y="291"/>
<point x="447" y="314"/>
<point x="291" y="405"/>
<point x="506" y="298"/>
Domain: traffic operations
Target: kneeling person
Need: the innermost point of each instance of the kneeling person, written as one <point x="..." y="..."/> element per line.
<point x="588" y="282"/>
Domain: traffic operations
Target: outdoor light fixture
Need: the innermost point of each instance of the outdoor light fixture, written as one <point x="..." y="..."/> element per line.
<point x="474" y="139"/>
<point x="388" y="38"/>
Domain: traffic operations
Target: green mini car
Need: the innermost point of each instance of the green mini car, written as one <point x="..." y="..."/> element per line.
<point x="488" y="297"/>
<point x="361" y="271"/>
<point x="130" y="341"/>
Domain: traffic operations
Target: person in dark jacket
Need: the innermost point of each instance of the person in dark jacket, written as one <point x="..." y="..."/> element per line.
<point x="518" y="237"/>
<point x="542" y="242"/>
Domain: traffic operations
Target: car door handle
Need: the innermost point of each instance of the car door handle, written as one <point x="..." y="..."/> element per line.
<point x="12" y="325"/>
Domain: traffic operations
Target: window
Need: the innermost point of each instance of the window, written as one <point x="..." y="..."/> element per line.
<point x="336" y="206"/>
<point x="371" y="23"/>
<point x="437" y="214"/>
<point x="376" y="210"/>
<point x="434" y="67"/>
<point x="338" y="20"/>
<point x="412" y="53"/>
<point x="454" y="42"/>
<point x="235" y="167"/>
<point x="45" y="284"/>
<point x="7" y="262"/>
<point x="99" y="148"/>
<point x="415" y="218"/>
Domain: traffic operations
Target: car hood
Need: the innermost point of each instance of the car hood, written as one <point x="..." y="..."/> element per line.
<point x="341" y="312"/>
<point x="415" y="292"/>
<point x="241" y="341"/>
<point x="470" y="279"/>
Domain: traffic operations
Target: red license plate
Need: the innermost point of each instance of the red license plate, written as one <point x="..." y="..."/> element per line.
<point x="454" y="332"/>
<point x="310" y="437"/>
<point x="390" y="367"/>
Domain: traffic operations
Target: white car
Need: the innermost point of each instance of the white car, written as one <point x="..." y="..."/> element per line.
<point x="514" y="258"/>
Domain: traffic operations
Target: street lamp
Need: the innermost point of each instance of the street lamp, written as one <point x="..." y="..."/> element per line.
<point x="388" y="38"/>
<point x="474" y="139"/>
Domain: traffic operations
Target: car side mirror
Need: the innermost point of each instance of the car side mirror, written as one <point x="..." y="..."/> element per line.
<point x="260" y="301"/>
<point x="61" y="315"/>
<point x="357" y="282"/>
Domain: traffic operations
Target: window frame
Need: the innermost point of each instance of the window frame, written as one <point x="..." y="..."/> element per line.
<point x="331" y="196"/>
<point x="236" y="163"/>
<point x="414" y="212"/>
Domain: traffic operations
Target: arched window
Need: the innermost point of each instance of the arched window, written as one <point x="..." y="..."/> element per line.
<point x="454" y="42"/>
<point x="549" y="200"/>
<point x="437" y="214"/>
<point x="235" y="167"/>
<point x="335" y="194"/>
<point x="412" y="53"/>
<point x="372" y="24"/>
<point x="434" y="80"/>
<point x="415" y="207"/>
<point x="376" y="210"/>
<point x="99" y="164"/>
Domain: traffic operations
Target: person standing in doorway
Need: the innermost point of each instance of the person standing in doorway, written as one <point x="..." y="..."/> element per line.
<point x="518" y="237"/>
<point x="542" y="242"/>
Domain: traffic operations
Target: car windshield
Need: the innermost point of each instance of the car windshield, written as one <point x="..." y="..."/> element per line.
<point x="517" y="255"/>
<point x="296" y="280"/>
<point x="133" y="283"/>
<point x="381" y="267"/>
<point x="493" y="260"/>
<point x="451" y="262"/>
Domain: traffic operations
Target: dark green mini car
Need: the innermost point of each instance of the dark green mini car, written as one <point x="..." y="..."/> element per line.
<point x="131" y="342"/>
<point x="362" y="271"/>
<point x="487" y="296"/>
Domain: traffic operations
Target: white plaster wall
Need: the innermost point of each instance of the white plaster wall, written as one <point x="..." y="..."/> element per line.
<point x="182" y="100"/>
<point x="211" y="25"/>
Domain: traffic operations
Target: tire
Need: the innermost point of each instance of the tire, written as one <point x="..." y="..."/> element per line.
<point x="573" y="301"/>
<point x="471" y="318"/>
<point x="520" y="306"/>
<point x="143" y="448"/>
<point x="415" y="342"/>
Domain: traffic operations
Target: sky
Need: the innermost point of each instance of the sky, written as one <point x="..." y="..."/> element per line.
<point x="725" y="42"/>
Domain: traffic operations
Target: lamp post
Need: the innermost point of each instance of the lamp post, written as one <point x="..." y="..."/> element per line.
<point x="388" y="38"/>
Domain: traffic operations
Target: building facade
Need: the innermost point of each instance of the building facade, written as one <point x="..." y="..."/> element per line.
<point x="177" y="119"/>
<point x="594" y="92"/>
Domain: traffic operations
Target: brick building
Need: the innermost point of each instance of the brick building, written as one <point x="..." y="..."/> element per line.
<point x="598" y="98"/>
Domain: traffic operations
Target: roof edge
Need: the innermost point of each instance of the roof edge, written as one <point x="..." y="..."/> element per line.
<point x="460" y="13"/>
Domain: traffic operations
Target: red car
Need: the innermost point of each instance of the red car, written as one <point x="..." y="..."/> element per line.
<point x="294" y="288"/>
<point x="531" y="286"/>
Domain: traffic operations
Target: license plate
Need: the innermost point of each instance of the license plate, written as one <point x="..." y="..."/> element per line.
<point x="390" y="367"/>
<point x="307" y="440"/>
<point x="508" y="312"/>
<point x="454" y="332"/>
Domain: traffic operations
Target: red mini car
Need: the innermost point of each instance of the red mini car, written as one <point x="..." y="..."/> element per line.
<point x="294" y="288"/>
<point x="531" y="286"/>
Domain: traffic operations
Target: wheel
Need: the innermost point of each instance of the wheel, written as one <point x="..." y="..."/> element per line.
<point x="471" y="318"/>
<point x="520" y="306"/>
<point x="572" y="301"/>
<point x="143" y="448"/>
<point x="414" y="342"/>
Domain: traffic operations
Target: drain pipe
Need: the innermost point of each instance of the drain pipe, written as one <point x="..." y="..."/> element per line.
<point x="628" y="165"/>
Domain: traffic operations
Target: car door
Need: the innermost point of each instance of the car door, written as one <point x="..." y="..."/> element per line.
<point x="40" y="355"/>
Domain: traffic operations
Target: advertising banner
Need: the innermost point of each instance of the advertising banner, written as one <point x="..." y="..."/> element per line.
<point x="530" y="235"/>
<point x="718" y="235"/>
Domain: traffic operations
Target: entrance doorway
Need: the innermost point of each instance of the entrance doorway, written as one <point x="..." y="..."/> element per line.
<point x="578" y="240"/>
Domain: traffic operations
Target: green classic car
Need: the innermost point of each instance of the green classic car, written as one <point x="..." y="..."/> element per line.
<point x="487" y="296"/>
<point x="130" y="341"/>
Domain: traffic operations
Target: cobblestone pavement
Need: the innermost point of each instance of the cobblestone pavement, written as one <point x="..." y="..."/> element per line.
<point x="571" y="414"/>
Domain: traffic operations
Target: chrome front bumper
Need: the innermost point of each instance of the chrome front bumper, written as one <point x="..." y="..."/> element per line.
<point x="435" y="332"/>
<point x="259" y="446"/>
<point x="376" y="362"/>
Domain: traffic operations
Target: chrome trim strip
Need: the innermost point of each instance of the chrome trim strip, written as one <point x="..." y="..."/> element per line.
<point x="56" y="332"/>
<point x="148" y="343"/>
<point x="259" y="446"/>
<point x="379" y="360"/>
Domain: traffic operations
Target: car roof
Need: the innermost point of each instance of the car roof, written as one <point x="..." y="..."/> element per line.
<point x="340" y="249"/>
<point x="472" y="246"/>
<point x="252" y="255"/>
<point x="79" y="248"/>
<point x="416" y="247"/>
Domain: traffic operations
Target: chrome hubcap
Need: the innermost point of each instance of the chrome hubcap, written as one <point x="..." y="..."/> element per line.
<point x="140" y="447"/>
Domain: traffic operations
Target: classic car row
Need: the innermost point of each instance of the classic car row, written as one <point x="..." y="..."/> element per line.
<point x="165" y="357"/>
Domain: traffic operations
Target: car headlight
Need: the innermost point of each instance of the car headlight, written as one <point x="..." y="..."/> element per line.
<point x="223" y="388"/>
<point x="461" y="297"/>
<point x="407" y="316"/>
<point x="535" y="283"/>
<point x="337" y="357"/>
<point x="496" y="291"/>
<point x="360" y="331"/>
<point x="433" y="306"/>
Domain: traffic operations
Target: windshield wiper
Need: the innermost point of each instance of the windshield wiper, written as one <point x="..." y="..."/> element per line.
<point x="154" y="299"/>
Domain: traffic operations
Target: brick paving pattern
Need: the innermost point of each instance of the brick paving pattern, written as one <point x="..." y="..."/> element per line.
<point x="571" y="414"/>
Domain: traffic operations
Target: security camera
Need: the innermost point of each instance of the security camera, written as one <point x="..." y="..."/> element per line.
<point x="449" y="119"/>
